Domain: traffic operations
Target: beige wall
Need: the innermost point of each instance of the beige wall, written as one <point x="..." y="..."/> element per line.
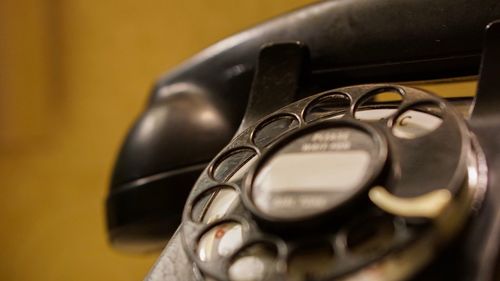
<point x="73" y="75"/>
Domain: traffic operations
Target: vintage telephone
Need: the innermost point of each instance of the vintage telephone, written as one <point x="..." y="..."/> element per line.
<point x="311" y="158"/>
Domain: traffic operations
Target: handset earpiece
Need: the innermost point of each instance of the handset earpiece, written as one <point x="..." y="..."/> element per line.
<point x="163" y="154"/>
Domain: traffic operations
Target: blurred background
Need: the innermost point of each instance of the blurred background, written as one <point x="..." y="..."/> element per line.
<point x="73" y="76"/>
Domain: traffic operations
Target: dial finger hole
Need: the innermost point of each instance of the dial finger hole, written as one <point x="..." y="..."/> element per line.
<point x="378" y="104"/>
<point x="214" y="204"/>
<point x="270" y="130"/>
<point x="370" y="236"/>
<point x="311" y="261"/>
<point x="418" y="120"/>
<point x="220" y="241"/>
<point x="257" y="262"/>
<point x="227" y="166"/>
<point x="336" y="104"/>
<point x="242" y="171"/>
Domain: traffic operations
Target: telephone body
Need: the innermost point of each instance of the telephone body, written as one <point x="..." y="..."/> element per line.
<point x="311" y="158"/>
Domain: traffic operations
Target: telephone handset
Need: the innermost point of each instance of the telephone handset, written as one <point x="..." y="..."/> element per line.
<point x="325" y="177"/>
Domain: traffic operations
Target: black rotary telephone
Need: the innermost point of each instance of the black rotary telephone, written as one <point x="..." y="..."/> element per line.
<point x="311" y="157"/>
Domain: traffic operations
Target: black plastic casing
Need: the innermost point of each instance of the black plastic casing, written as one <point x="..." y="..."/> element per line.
<point x="195" y="109"/>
